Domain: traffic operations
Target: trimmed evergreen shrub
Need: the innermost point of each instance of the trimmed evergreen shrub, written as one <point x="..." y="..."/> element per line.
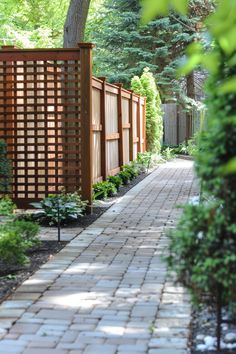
<point x="146" y="86"/>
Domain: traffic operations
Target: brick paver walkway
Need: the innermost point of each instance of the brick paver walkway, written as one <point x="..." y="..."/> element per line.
<point x="107" y="291"/>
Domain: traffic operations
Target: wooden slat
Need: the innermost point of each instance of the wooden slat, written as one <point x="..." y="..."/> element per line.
<point x="86" y="123"/>
<point x="126" y="125"/>
<point x="113" y="136"/>
<point x="131" y="145"/>
<point x="97" y="127"/>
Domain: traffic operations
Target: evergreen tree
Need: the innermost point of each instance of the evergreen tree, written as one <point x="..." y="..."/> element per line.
<point x="146" y="86"/>
<point x="125" y="48"/>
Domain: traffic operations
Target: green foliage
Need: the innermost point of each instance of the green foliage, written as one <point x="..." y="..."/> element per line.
<point x="168" y="153"/>
<point x="7" y="206"/>
<point x="131" y="170"/>
<point x="104" y="189"/>
<point x="29" y="23"/>
<point x="124" y="47"/>
<point x="61" y="208"/>
<point x="5" y="168"/>
<point x="154" y="124"/>
<point x="203" y="252"/>
<point x="16" y="238"/>
<point x="203" y="246"/>
<point x="116" y="180"/>
<point x="144" y="159"/>
<point x="125" y="176"/>
<point x="161" y="7"/>
<point x="189" y="148"/>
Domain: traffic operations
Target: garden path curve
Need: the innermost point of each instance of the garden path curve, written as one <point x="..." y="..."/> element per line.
<point x="107" y="291"/>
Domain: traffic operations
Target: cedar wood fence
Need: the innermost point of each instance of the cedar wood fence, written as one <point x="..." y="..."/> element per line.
<point x="63" y="127"/>
<point x="176" y="127"/>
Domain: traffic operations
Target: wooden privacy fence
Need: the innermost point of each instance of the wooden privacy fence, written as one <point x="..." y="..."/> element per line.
<point x="176" y="127"/>
<point x="64" y="129"/>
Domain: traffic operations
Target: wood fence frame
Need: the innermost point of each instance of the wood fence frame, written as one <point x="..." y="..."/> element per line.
<point x="88" y="83"/>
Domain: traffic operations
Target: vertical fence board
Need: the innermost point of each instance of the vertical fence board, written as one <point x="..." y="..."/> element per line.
<point x="86" y="121"/>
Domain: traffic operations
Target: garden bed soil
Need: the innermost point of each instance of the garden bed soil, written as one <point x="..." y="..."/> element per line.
<point x="11" y="278"/>
<point x="204" y="323"/>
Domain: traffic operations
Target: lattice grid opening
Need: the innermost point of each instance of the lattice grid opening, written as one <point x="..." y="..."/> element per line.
<point x="40" y="120"/>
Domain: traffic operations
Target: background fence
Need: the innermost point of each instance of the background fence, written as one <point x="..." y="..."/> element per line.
<point x="176" y="129"/>
<point x="64" y="128"/>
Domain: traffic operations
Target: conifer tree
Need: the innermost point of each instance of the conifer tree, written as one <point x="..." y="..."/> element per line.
<point x="146" y="85"/>
<point x="125" y="47"/>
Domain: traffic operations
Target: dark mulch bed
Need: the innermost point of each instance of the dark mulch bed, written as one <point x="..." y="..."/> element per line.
<point x="11" y="278"/>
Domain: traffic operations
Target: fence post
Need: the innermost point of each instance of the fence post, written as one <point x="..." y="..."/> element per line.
<point x="103" y="133"/>
<point x="139" y="128"/>
<point x="131" y="135"/>
<point x="144" y="126"/>
<point x="120" y="125"/>
<point x="86" y="120"/>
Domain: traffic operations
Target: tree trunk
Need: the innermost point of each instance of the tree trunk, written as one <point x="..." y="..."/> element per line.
<point x="75" y="22"/>
<point x="191" y="94"/>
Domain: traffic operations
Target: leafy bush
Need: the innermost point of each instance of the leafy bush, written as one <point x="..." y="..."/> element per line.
<point x="213" y="265"/>
<point x="144" y="159"/>
<point x="116" y="180"/>
<point x="168" y="153"/>
<point x="189" y="148"/>
<point x="15" y="239"/>
<point x="125" y="176"/>
<point x="5" y="168"/>
<point x="131" y="170"/>
<point x="104" y="189"/>
<point x="63" y="207"/>
<point x="6" y="206"/>
<point x="203" y="252"/>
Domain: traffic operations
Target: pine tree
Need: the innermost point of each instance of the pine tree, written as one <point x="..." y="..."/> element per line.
<point x="125" y="48"/>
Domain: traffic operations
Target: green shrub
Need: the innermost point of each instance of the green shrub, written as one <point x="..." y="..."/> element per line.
<point x="146" y="86"/>
<point x="102" y="190"/>
<point x="7" y="206"/>
<point x="15" y="239"/>
<point x="203" y="252"/>
<point x="168" y="153"/>
<point x="144" y="159"/>
<point x="27" y="230"/>
<point x="125" y="176"/>
<point x="131" y="170"/>
<point x="116" y="180"/>
<point x="62" y="207"/>
<point x="5" y="168"/>
<point x="210" y="264"/>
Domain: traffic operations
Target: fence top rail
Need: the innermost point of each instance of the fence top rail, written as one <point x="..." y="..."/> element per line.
<point x="10" y="48"/>
<point x="11" y="53"/>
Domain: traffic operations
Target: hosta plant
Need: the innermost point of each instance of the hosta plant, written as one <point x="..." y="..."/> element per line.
<point x="102" y="190"/>
<point x="61" y="208"/>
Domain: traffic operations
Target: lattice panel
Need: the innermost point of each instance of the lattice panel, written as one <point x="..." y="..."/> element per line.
<point x="40" y="119"/>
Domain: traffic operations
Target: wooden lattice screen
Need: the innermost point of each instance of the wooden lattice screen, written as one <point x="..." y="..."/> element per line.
<point x="45" y="121"/>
